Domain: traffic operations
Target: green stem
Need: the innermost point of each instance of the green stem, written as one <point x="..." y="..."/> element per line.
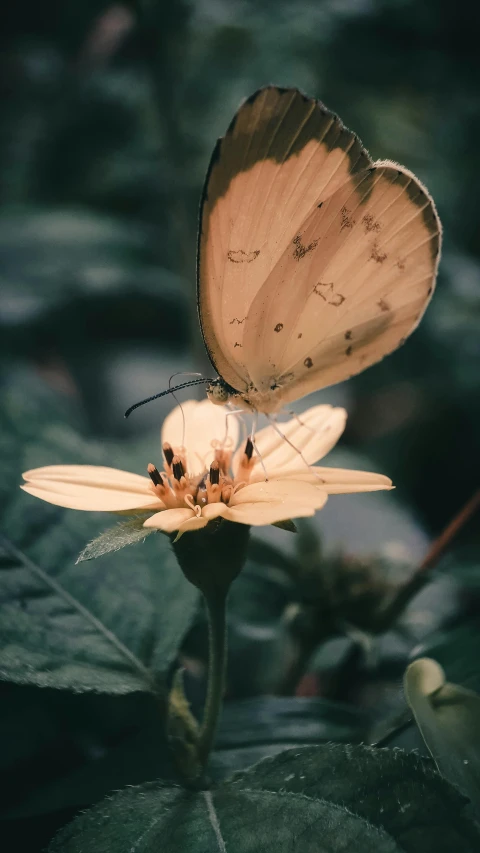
<point x="215" y="600"/>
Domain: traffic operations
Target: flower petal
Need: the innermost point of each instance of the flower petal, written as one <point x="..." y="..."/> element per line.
<point x="195" y="523"/>
<point x="276" y="491"/>
<point x="170" y="520"/>
<point x="259" y="513"/>
<point x="91" y="487"/>
<point x="204" y="423"/>
<point x="211" y="511"/>
<point x="313" y="433"/>
<point x="339" y="481"/>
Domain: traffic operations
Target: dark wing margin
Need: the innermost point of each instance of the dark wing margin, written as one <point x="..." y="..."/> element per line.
<point x="274" y="124"/>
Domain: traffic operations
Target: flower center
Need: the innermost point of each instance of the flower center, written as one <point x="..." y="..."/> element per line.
<point x="177" y="488"/>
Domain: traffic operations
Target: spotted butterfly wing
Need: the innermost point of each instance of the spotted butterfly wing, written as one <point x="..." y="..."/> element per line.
<point x="313" y="261"/>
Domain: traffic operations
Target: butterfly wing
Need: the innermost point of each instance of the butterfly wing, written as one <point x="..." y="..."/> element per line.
<point x="281" y="155"/>
<point x="350" y="286"/>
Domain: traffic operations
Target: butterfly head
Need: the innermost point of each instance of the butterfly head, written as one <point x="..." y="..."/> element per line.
<point x="219" y="392"/>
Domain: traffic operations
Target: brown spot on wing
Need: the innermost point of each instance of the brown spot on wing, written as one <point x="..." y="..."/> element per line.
<point x="348" y="335"/>
<point x="299" y="335"/>
<point x="308" y="362"/>
<point x="377" y="255"/>
<point x="300" y="250"/>
<point x="241" y="257"/>
<point x="370" y="223"/>
<point x="401" y="264"/>
<point x="349" y="350"/>
<point x="383" y="305"/>
<point x="327" y="292"/>
<point x="347" y="221"/>
<point x="236" y="320"/>
<point x="278" y="327"/>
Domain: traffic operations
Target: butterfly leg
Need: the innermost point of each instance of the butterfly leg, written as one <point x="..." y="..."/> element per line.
<point x="299" y="421"/>
<point x="252" y="439"/>
<point x="302" y="457"/>
<point x="239" y="413"/>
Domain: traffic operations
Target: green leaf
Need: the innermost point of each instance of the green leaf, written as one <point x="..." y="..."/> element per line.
<point x="252" y="729"/>
<point x="121" y="742"/>
<point x="271" y="719"/>
<point x="393" y="790"/>
<point x="448" y="717"/>
<point x="95" y="745"/>
<point x="457" y="650"/>
<point x="111" y="627"/>
<point x="115" y="538"/>
<point x="151" y="818"/>
<point x="50" y="638"/>
<point x="288" y="525"/>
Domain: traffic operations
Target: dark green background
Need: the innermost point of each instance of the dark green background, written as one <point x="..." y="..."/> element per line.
<point x="108" y="115"/>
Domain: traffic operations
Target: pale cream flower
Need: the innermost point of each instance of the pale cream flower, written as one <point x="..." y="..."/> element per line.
<point x="202" y="478"/>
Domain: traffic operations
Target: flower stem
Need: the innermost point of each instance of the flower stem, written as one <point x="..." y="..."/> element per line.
<point x="215" y="600"/>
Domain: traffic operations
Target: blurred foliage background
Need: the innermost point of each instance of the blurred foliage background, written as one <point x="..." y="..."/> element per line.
<point x="108" y="114"/>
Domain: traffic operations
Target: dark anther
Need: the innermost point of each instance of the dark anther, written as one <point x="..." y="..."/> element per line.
<point x="249" y="448"/>
<point x="168" y="453"/>
<point x="177" y="466"/>
<point x="154" y="474"/>
<point x="214" y="473"/>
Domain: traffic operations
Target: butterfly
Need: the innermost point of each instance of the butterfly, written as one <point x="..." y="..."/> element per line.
<point x="313" y="261"/>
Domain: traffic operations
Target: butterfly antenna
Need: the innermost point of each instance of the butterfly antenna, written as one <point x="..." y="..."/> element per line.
<point x="165" y="393"/>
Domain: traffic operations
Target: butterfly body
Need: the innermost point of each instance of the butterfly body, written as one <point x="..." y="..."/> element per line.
<point x="269" y="402"/>
<point x="314" y="262"/>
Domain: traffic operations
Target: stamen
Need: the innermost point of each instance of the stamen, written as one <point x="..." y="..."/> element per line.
<point x="246" y="464"/>
<point x="222" y="457"/>
<point x="181" y="488"/>
<point x="177" y="467"/>
<point x="154" y="475"/>
<point x="202" y="494"/>
<point x="227" y="493"/>
<point x="213" y="483"/>
<point x="214" y="473"/>
<point x="168" y="453"/>
<point x="182" y="453"/>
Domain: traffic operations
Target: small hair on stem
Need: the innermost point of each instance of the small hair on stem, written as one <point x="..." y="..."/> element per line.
<point x="165" y="393"/>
